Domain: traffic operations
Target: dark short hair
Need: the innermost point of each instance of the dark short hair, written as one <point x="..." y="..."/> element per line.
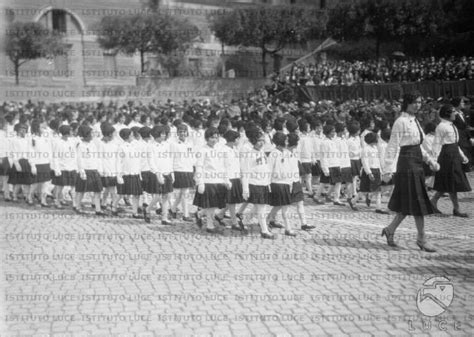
<point x="231" y="135"/>
<point x="340" y="127"/>
<point x="65" y="130"/>
<point x="144" y="132"/>
<point x="125" y="133"/>
<point x="210" y="132"/>
<point x="157" y="131"/>
<point x="445" y="111"/>
<point x="410" y="98"/>
<point x="353" y="128"/>
<point x="370" y="138"/>
<point x="385" y="134"/>
<point x="279" y="138"/>
<point x="293" y="139"/>
<point x="430" y="128"/>
<point x="327" y="129"/>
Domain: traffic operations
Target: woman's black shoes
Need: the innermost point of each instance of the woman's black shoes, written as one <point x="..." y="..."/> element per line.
<point x="389" y="237"/>
<point x="425" y="247"/>
<point x="460" y="215"/>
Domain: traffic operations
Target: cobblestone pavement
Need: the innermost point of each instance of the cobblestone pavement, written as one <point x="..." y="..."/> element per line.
<point x="77" y="275"/>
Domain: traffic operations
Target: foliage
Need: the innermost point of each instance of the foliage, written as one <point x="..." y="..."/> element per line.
<point x="30" y="40"/>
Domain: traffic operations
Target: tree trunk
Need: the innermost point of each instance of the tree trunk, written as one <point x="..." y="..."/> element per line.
<point x="142" y="61"/>
<point x="264" y="66"/>
<point x="223" y="62"/>
<point x="17" y="72"/>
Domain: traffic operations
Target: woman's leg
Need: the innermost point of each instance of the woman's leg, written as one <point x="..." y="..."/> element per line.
<point x="260" y="212"/>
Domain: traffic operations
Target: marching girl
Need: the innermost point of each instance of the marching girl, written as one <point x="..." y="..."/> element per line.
<point x="212" y="179"/>
<point x="64" y="165"/>
<point x="88" y="167"/>
<point x="128" y="171"/>
<point x="41" y="158"/>
<point x="183" y="168"/>
<point x="330" y="162"/>
<point x="281" y="182"/>
<point x="256" y="179"/>
<point x="20" y="175"/>
<point x="385" y="187"/>
<point x="409" y="196"/>
<point x="152" y="181"/>
<point x="143" y="150"/>
<point x="353" y="144"/>
<point x="451" y="177"/>
<point x="317" y="137"/>
<point x="297" y="195"/>
<point x="370" y="179"/>
<point x="108" y="150"/>
<point x="4" y="163"/>
<point x="344" y="159"/>
<point x="234" y="195"/>
<point x="306" y="150"/>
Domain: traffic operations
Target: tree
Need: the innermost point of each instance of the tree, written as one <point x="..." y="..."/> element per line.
<point x="269" y="28"/>
<point x="156" y="33"/>
<point x="28" y="41"/>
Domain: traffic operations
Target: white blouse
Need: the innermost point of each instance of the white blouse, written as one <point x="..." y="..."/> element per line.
<point x="446" y="133"/>
<point x="406" y="131"/>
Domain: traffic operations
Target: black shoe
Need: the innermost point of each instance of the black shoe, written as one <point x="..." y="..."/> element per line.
<point x="198" y="220"/>
<point x="187" y="219"/>
<point x="307" y="227"/>
<point x="270" y="236"/>
<point x="379" y="211"/>
<point x="137" y="216"/>
<point x="273" y="224"/>
<point x="45" y="205"/>
<point x="77" y="210"/>
<point x="239" y="216"/>
<point x="236" y="228"/>
<point x="290" y="233"/>
<point x="158" y="211"/>
<point x="425" y="247"/>
<point x="460" y="215"/>
<point x="354" y="208"/>
<point x="103" y="207"/>
<point x="145" y="216"/>
<point x="100" y="213"/>
<point x="219" y="220"/>
<point x="139" y="210"/>
<point x="338" y="203"/>
<point x="389" y="237"/>
<point x="114" y="213"/>
<point x="166" y="223"/>
<point x="319" y="202"/>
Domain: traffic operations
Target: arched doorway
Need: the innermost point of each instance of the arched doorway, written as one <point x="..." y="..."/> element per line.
<point x="71" y="64"/>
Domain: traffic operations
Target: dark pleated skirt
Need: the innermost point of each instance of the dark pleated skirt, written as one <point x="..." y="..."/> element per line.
<point x="21" y="178"/>
<point x="316" y="170"/>
<point x="167" y="187"/>
<point x="427" y="170"/>
<point x="108" y="181"/>
<point x="280" y="194"/>
<point x="259" y="195"/>
<point x="297" y="192"/>
<point x="451" y="177"/>
<point x="214" y="196"/>
<point x="367" y="185"/>
<point x="92" y="183"/>
<point x="131" y="185"/>
<point x="346" y="175"/>
<point x="150" y="183"/>
<point x="409" y="196"/>
<point x="183" y="180"/>
<point x="67" y="178"/>
<point x="43" y="173"/>
<point x="356" y="166"/>
<point x="305" y="168"/>
<point x="335" y="175"/>
<point x="234" y="196"/>
<point x="4" y="166"/>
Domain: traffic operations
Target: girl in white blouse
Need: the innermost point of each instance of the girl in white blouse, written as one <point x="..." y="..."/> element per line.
<point x="451" y="177"/>
<point x="409" y="196"/>
<point x="4" y="163"/>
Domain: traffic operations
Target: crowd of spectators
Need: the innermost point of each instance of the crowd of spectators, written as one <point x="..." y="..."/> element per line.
<point x="382" y="71"/>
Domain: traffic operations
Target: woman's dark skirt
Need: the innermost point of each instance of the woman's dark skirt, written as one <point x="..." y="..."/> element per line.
<point x="334" y="176"/>
<point x="409" y="196"/>
<point x="214" y="196"/>
<point x="92" y="183"/>
<point x="356" y="166"/>
<point x="280" y="194"/>
<point x="4" y="166"/>
<point x="297" y="192"/>
<point x="346" y="175"/>
<point x="21" y="178"/>
<point x="367" y="185"/>
<point x="316" y="170"/>
<point x="183" y="180"/>
<point x="109" y="181"/>
<point x="43" y="173"/>
<point x="167" y="187"/>
<point x="305" y="168"/>
<point x="427" y="170"/>
<point x="451" y="177"/>
<point x="131" y="185"/>
<point x="234" y="196"/>
<point x="258" y="195"/>
<point x="150" y="183"/>
<point x="67" y="178"/>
